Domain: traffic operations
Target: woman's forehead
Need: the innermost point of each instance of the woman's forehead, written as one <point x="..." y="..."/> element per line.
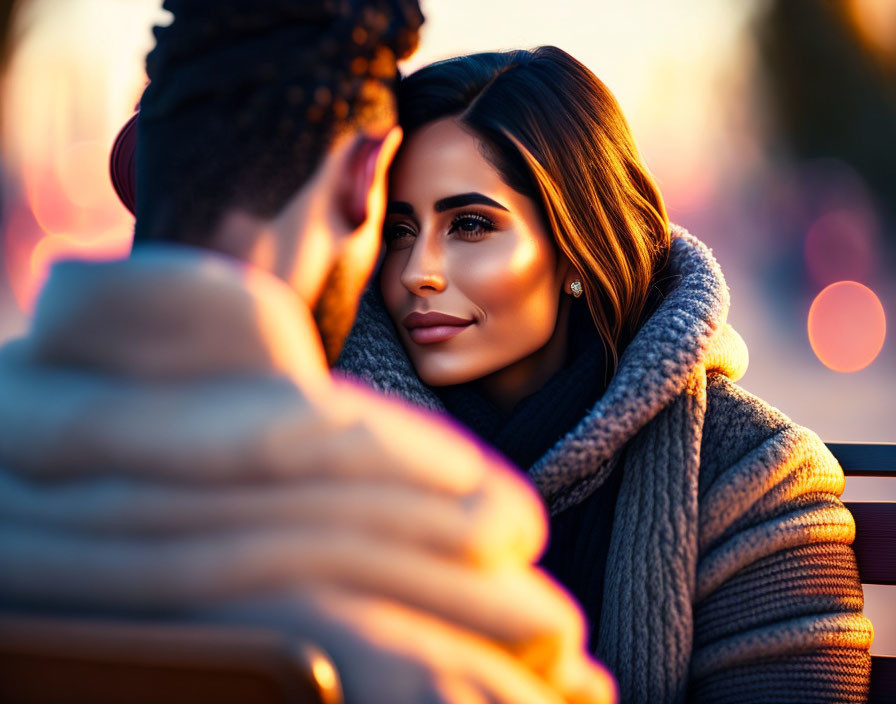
<point x="442" y="160"/>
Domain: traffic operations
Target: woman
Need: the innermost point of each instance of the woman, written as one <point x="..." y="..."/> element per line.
<point x="533" y="288"/>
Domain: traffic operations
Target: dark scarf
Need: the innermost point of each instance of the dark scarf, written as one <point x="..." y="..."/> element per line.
<point x="580" y="535"/>
<point x="542" y="418"/>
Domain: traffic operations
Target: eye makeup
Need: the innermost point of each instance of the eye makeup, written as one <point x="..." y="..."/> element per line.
<point x="471" y="226"/>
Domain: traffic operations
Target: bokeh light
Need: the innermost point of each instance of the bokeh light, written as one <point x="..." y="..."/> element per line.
<point x="847" y="326"/>
<point x="324" y="674"/>
<point x="73" y="81"/>
<point x="875" y="21"/>
<point x="840" y="246"/>
<point x="82" y="172"/>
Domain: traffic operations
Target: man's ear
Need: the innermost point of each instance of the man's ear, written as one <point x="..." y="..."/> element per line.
<point x="362" y="199"/>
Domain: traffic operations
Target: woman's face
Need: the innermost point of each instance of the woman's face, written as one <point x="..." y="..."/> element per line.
<point x="471" y="278"/>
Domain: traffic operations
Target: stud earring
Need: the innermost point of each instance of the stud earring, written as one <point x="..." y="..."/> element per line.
<point x="575" y="288"/>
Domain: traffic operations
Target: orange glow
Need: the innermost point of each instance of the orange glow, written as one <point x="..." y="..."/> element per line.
<point x="53" y="193"/>
<point x="875" y="23"/>
<point x="82" y="170"/>
<point x="70" y="212"/>
<point x="324" y="674"/>
<point x="847" y="326"/>
<point x="29" y="250"/>
<point x="54" y="248"/>
<point x="71" y="84"/>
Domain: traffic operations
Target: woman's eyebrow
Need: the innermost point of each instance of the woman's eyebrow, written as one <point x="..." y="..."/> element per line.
<point x="399" y="207"/>
<point x="464" y="199"/>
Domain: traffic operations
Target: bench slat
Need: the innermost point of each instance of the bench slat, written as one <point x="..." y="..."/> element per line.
<point x="883" y="680"/>
<point x="865" y="459"/>
<point x="99" y="661"/>
<point x="875" y="544"/>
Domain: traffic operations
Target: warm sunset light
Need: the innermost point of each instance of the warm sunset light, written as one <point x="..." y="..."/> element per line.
<point x="55" y="248"/>
<point x="68" y="212"/>
<point x="456" y="354"/>
<point x="875" y="21"/>
<point x="324" y="674"/>
<point x="67" y="93"/>
<point x="82" y="172"/>
<point x="847" y="326"/>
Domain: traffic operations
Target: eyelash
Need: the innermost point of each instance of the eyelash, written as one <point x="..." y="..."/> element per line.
<point x="392" y="232"/>
<point x="484" y="225"/>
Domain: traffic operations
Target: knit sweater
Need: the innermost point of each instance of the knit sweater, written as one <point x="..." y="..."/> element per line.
<point x="730" y="576"/>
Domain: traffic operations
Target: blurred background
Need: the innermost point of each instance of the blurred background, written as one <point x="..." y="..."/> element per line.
<point x="769" y="124"/>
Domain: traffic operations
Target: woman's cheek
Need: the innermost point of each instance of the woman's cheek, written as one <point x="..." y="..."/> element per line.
<point x="511" y="280"/>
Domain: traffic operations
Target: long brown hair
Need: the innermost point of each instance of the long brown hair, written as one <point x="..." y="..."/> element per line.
<point x="556" y="134"/>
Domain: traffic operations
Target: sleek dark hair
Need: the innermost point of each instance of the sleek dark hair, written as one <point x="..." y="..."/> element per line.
<point x="246" y="96"/>
<point x="556" y="134"/>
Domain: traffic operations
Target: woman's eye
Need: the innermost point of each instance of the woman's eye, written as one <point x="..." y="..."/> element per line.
<point x="472" y="226"/>
<point x="398" y="235"/>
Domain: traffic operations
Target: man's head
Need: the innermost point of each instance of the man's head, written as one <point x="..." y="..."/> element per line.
<point x="266" y="131"/>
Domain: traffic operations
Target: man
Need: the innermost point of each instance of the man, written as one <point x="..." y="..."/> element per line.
<point x="171" y="439"/>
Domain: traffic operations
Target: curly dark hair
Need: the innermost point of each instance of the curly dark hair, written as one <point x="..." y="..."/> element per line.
<point x="246" y="96"/>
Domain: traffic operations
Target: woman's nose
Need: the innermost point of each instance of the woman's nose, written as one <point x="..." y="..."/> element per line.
<point x="424" y="274"/>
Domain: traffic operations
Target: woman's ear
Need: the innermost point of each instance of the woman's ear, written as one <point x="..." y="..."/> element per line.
<point x="568" y="272"/>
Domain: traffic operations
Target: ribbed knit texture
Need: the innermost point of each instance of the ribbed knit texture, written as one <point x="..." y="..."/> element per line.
<point x="578" y="547"/>
<point x="729" y="573"/>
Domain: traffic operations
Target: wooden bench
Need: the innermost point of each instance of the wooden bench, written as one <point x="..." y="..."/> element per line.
<point x="62" y="660"/>
<point x="875" y="543"/>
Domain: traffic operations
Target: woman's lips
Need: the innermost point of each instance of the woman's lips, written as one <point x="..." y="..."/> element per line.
<point x="436" y="333"/>
<point x="429" y="328"/>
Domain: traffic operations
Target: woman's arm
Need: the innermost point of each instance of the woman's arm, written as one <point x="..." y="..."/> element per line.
<point x="778" y="608"/>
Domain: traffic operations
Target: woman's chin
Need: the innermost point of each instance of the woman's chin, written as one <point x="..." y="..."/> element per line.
<point x="444" y="378"/>
<point x="445" y="372"/>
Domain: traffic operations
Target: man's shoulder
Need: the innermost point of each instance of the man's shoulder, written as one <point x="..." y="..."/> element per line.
<point x="386" y="439"/>
<point x="420" y="440"/>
